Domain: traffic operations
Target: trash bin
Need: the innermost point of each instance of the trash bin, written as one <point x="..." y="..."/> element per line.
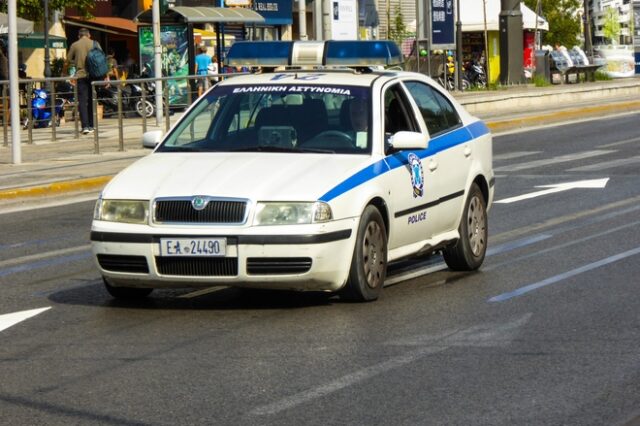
<point x="543" y="65"/>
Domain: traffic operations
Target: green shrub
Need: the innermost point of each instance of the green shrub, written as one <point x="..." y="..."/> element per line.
<point x="602" y="76"/>
<point x="540" y="81"/>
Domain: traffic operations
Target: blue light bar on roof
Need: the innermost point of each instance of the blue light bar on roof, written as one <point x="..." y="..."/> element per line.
<point x="339" y="53"/>
<point x="260" y="53"/>
<point x="362" y="53"/>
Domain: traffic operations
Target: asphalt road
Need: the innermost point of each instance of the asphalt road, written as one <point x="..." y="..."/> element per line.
<point x="545" y="334"/>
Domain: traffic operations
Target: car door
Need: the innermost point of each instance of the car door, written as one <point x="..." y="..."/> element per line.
<point x="411" y="180"/>
<point x="450" y="152"/>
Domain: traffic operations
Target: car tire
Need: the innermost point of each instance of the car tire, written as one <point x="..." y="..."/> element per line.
<point x="126" y="293"/>
<point x="369" y="263"/>
<point x="468" y="253"/>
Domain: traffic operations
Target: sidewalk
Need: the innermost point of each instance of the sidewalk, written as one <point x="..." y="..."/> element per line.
<point x="69" y="164"/>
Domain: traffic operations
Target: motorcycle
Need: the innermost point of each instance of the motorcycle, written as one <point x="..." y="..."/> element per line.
<point x="41" y="110"/>
<point x="131" y="98"/>
<point x="475" y="74"/>
<point x="449" y="83"/>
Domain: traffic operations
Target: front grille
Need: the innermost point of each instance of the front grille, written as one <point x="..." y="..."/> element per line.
<point x="278" y="265"/>
<point x="123" y="263"/>
<point x="216" y="211"/>
<point x="198" y="266"/>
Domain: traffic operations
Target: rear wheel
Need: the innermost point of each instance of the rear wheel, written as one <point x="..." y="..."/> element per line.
<point x="126" y="293"/>
<point x="468" y="253"/>
<point x="369" y="263"/>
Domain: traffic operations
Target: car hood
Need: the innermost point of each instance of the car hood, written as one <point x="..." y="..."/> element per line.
<point x="259" y="176"/>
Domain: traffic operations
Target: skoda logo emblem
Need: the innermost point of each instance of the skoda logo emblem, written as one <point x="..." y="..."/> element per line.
<point x="199" y="203"/>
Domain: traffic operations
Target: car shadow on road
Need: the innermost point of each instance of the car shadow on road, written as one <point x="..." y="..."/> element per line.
<point x="93" y="293"/>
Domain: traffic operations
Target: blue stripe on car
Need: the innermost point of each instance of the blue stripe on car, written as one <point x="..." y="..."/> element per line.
<point x="437" y="144"/>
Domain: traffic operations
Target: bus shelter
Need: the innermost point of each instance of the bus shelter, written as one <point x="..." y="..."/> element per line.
<point x="177" y="35"/>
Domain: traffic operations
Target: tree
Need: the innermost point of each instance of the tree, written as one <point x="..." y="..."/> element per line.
<point x="563" y="18"/>
<point x="611" y="28"/>
<point x="34" y="11"/>
<point x="398" y="32"/>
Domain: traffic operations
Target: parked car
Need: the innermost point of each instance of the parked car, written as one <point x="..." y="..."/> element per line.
<point x="313" y="174"/>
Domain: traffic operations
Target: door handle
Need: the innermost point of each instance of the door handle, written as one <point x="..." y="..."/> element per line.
<point x="433" y="165"/>
<point x="467" y="151"/>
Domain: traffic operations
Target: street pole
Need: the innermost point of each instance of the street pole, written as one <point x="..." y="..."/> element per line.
<point x="458" y="47"/>
<point x="157" y="58"/>
<point x="326" y="19"/>
<point x="588" y="44"/>
<point x="47" y="58"/>
<point x="16" y="153"/>
<point x="302" y="19"/>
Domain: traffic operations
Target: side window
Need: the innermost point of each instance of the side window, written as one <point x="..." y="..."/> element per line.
<point x="438" y="113"/>
<point x="396" y="116"/>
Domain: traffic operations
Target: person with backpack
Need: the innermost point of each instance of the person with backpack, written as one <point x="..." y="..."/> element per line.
<point x="84" y="55"/>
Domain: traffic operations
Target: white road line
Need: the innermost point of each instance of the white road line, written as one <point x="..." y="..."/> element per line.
<point x="202" y="292"/>
<point x="554" y="160"/>
<point x="624" y="142"/>
<point x="346" y="381"/>
<point x="563" y="276"/>
<point x="512" y="155"/>
<point x="8" y="320"/>
<point x="483" y="335"/>
<point x="45" y="255"/>
<point x="606" y="165"/>
<point x="414" y="274"/>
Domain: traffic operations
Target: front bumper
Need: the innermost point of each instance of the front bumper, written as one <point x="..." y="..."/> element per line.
<point x="307" y="257"/>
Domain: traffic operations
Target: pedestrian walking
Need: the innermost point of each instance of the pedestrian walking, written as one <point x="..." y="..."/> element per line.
<point x="202" y="68"/>
<point x="77" y="57"/>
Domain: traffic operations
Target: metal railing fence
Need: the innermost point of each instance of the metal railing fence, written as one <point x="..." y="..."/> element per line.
<point x="118" y="101"/>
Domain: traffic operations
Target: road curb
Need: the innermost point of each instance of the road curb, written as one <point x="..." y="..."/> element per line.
<point x="77" y="185"/>
<point x="561" y="116"/>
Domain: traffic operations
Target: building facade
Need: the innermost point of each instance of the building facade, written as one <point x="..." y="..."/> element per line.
<point x="615" y="30"/>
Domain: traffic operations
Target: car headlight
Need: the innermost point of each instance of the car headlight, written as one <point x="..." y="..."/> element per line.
<point x="128" y="211"/>
<point x="292" y="213"/>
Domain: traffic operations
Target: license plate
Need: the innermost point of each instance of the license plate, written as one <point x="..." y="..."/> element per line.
<point x="193" y="246"/>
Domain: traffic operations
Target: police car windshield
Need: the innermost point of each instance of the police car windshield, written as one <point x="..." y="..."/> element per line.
<point x="277" y="118"/>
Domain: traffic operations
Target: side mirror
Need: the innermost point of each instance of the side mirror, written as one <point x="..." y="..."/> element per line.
<point x="408" y="140"/>
<point x="151" y="139"/>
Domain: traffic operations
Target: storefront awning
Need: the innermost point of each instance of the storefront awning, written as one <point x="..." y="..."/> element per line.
<point x="105" y="24"/>
<point x="36" y="41"/>
<point x="23" y="26"/>
<point x="204" y="15"/>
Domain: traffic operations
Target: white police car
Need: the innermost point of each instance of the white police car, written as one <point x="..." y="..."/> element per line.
<point x="311" y="177"/>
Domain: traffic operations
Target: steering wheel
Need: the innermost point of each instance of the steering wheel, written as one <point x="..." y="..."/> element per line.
<point x="336" y="135"/>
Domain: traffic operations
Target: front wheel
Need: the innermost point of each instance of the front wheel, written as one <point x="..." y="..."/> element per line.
<point x="468" y="253"/>
<point x="126" y="293"/>
<point x="145" y="108"/>
<point x="369" y="264"/>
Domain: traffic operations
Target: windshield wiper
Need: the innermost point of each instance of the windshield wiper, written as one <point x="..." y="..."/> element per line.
<point x="272" y="148"/>
<point x="180" y="149"/>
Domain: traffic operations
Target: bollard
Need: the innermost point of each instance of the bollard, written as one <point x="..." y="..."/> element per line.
<point x="143" y="102"/>
<point x="94" y="111"/>
<point x="120" y="135"/>
<point x="54" y="114"/>
<point x="167" y="123"/>
<point x="29" y="113"/>
<point x="76" y="113"/>
<point x="5" y="115"/>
